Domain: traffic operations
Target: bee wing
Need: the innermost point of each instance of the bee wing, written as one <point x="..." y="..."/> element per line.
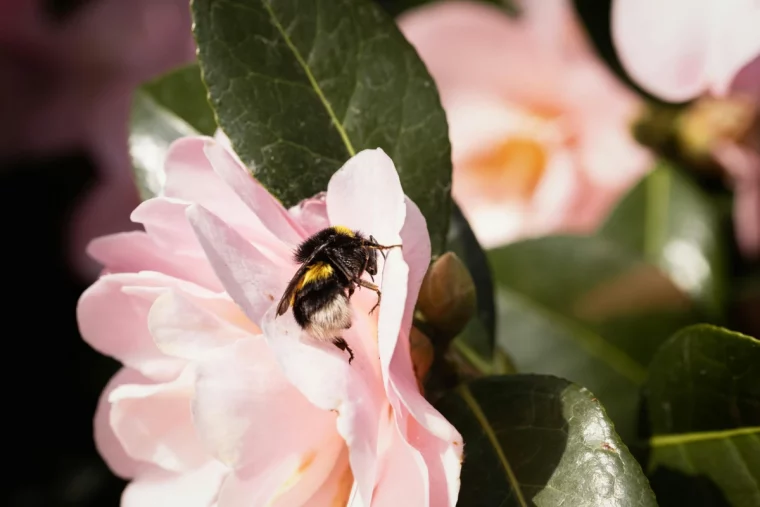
<point x="284" y="304"/>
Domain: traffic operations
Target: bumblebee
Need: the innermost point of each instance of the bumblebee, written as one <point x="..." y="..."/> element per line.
<point x="332" y="264"/>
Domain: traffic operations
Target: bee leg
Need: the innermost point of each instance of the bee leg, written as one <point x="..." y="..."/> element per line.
<point x="374" y="244"/>
<point x="375" y="288"/>
<point x="342" y="345"/>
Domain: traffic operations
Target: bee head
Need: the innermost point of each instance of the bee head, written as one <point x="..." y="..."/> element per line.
<point x="372" y="262"/>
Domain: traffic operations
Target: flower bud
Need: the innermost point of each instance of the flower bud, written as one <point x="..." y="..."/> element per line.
<point x="447" y="298"/>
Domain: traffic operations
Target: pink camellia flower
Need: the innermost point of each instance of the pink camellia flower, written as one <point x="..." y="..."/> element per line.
<point x="67" y="85"/>
<point x="221" y="404"/>
<point x="539" y="127"/>
<point x="680" y="49"/>
<point x="683" y="49"/>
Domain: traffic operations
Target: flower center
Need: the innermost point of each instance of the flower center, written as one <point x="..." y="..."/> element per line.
<point x="511" y="169"/>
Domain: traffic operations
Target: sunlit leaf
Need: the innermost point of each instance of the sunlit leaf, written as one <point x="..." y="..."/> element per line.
<point x="540" y="440"/>
<point x="152" y="129"/>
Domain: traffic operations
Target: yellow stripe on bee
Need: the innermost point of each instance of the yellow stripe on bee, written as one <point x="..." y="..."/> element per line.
<point x="342" y="229"/>
<point x="317" y="271"/>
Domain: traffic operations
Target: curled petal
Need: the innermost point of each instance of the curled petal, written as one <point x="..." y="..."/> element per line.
<point x="154" y="423"/>
<point x="247" y="274"/>
<point x="159" y="488"/>
<point x="106" y="442"/>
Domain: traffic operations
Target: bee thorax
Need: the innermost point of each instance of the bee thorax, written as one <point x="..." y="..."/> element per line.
<point x="330" y="321"/>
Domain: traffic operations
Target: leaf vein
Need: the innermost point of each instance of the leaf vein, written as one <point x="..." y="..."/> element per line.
<point x="471" y="402"/>
<point x="312" y="79"/>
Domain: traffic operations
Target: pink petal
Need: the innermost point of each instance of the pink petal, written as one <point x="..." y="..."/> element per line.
<point x="241" y="396"/>
<point x="106" y="442"/>
<point x="244" y="490"/>
<point x="736" y="41"/>
<point x="743" y="165"/>
<point x="190" y="327"/>
<point x="366" y="195"/>
<point x="335" y="489"/>
<point x="115" y="323"/>
<point x="154" y="423"/>
<point x="159" y="488"/>
<point x="437" y="442"/>
<point x="191" y="178"/>
<point x="665" y="46"/>
<point x="311" y="213"/>
<point x="131" y="252"/>
<point x="165" y="222"/>
<point x="248" y="275"/>
<point x="472" y="46"/>
<point x="255" y="196"/>
<point x="322" y="373"/>
<point x="403" y="476"/>
<point x="294" y="479"/>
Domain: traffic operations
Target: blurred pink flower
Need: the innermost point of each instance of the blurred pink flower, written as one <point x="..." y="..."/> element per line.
<point x="220" y="404"/>
<point x="68" y="83"/>
<point x="539" y="127"/>
<point x="680" y="49"/>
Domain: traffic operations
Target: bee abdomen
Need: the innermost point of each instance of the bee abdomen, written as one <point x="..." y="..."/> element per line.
<point x="327" y="322"/>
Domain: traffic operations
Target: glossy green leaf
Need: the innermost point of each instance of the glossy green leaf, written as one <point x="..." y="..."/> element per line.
<point x="703" y="399"/>
<point x="540" y="440"/>
<point x="673" y="224"/>
<point x="182" y="92"/>
<point x="479" y="336"/>
<point x="586" y="310"/>
<point x="152" y="129"/>
<point x="299" y="86"/>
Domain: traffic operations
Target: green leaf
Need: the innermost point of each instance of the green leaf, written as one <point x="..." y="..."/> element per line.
<point x="586" y="310"/>
<point x="299" y="86"/>
<point x="152" y="129"/>
<point x="703" y="398"/>
<point x="673" y="224"/>
<point x="182" y="92"/>
<point x="540" y="440"/>
<point x="480" y="334"/>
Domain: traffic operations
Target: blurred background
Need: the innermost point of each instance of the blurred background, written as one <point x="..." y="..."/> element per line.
<point x="67" y="71"/>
